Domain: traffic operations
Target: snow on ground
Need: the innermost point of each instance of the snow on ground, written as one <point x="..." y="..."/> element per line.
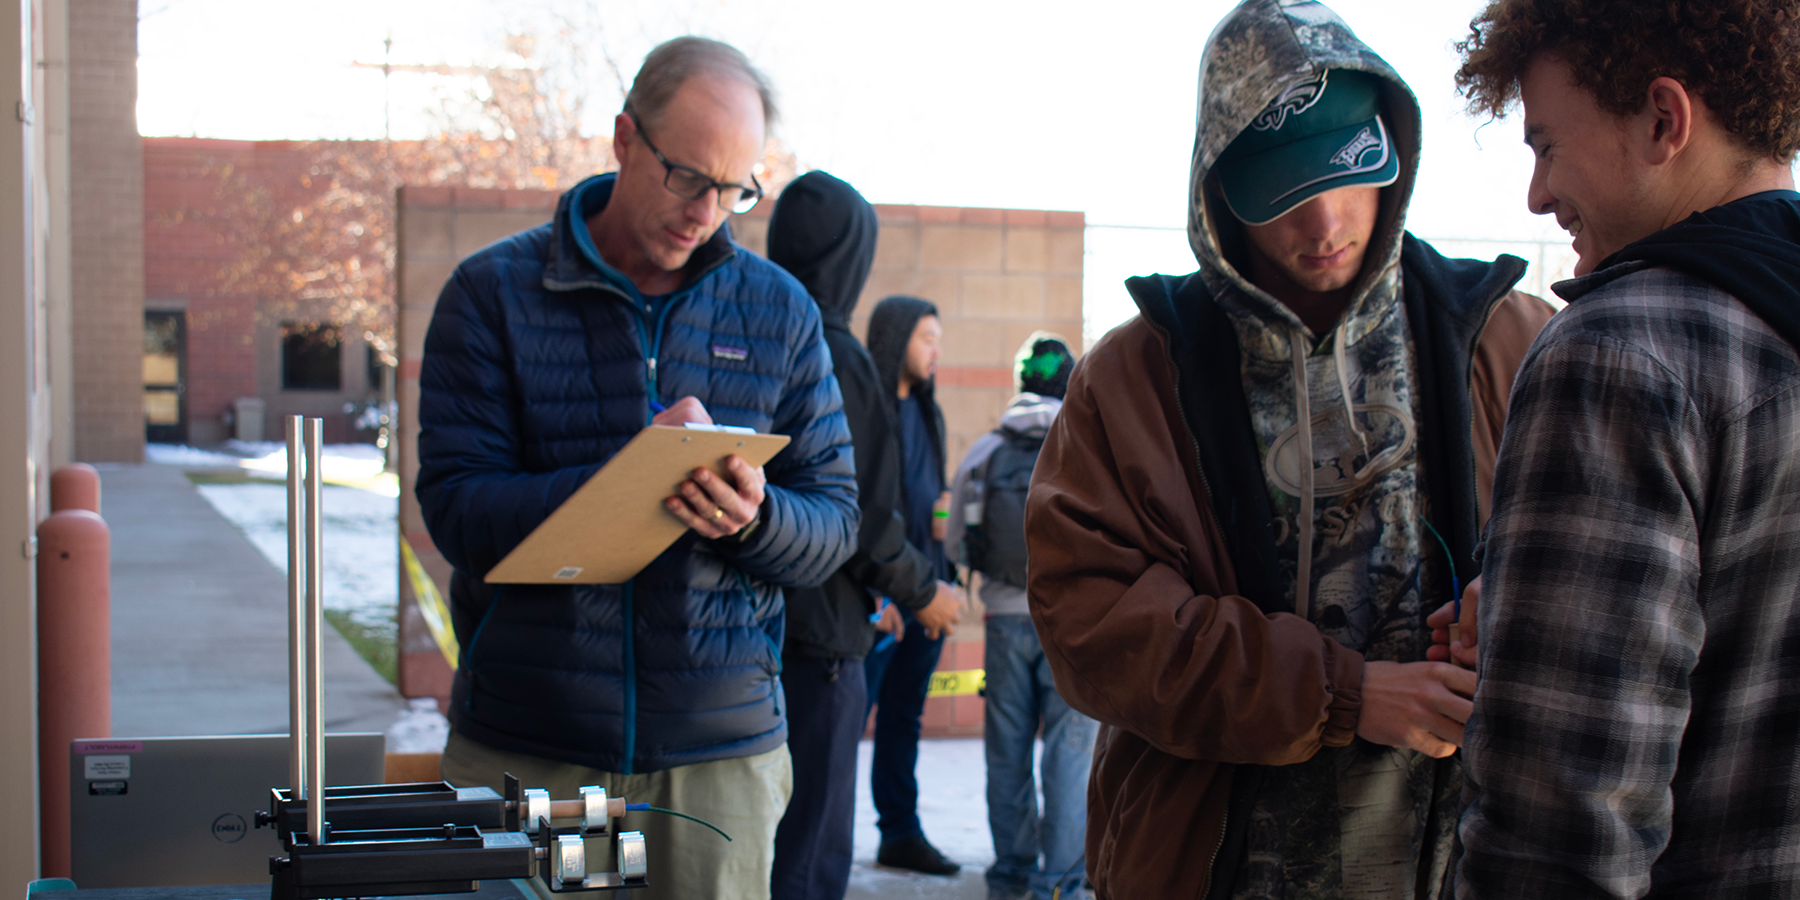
<point x="353" y="463"/>
<point x="360" y="547"/>
<point x="361" y="520"/>
<point x="420" y="728"/>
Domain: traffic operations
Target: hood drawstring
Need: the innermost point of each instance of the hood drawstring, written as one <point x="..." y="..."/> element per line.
<point x="1297" y="341"/>
<point x="1343" y="377"/>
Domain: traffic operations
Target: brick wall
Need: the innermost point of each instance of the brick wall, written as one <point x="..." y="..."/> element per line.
<point x="106" y="226"/>
<point x="995" y="275"/>
<point x="193" y="188"/>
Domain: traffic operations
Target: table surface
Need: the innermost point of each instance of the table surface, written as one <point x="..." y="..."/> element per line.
<point x="489" y="890"/>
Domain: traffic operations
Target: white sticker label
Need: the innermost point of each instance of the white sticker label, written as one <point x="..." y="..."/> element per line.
<point x="108" y="766"/>
<point x="568" y="572"/>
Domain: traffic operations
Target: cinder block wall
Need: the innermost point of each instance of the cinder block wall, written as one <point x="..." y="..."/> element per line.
<point x="106" y="162"/>
<point x="996" y="276"/>
<point x="438" y="227"/>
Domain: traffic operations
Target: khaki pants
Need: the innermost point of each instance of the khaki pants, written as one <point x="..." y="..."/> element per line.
<point x="745" y="797"/>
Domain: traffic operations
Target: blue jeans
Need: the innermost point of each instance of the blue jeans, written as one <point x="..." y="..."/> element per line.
<point x="1031" y="850"/>
<point x="898" y="677"/>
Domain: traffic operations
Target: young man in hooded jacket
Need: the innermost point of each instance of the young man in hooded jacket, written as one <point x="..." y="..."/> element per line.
<point x="903" y="341"/>
<point x="823" y="232"/>
<point x="1258" y="488"/>
<point x="1634" y="735"/>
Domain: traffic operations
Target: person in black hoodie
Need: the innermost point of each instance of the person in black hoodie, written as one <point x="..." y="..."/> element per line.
<point x="824" y="233"/>
<point x="1639" y="617"/>
<point x="903" y="340"/>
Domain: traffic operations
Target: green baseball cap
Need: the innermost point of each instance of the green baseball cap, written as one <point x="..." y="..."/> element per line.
<point x="1320" y="134"/>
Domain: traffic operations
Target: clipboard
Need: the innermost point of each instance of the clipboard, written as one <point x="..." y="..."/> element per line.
<point x="615" y="524"/>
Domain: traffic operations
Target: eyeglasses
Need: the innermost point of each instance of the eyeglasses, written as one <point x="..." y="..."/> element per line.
<point x="691" y="184"/>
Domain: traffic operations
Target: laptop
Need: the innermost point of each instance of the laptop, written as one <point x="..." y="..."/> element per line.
<point x="166" y="811"/>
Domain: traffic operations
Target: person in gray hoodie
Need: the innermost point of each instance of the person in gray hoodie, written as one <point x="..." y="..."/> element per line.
<point x="1258" y="488"/>
<point x="1034" y="855"/>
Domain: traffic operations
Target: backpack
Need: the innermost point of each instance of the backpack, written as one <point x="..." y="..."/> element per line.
<point x="995" y="534"/>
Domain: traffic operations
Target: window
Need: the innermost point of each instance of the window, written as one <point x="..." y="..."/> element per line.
<point x="372" y="365"/>
<point x="311" y="358"/>
<point x="165" y="346"/>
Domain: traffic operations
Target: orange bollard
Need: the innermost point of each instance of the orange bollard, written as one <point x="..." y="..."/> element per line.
<point x="74" y="659"/>
<point x="75" y="486"/>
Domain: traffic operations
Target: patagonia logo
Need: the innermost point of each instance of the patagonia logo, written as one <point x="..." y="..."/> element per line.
<point x="735" y="354"/>
<point x="1295" y="99"/>
<point x="1350" y="155"/>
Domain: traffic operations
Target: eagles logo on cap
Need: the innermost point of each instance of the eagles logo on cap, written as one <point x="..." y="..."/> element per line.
<point x="1317" y="135"/>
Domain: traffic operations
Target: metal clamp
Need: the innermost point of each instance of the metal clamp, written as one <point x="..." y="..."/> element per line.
<point x="571" y="859"/>
<point x="634" y="862"/>
<point x="537" y="807"/>
<point x="594" y="814"/>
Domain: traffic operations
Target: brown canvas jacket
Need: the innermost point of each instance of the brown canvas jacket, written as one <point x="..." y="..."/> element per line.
<point x="1135" y="599"/>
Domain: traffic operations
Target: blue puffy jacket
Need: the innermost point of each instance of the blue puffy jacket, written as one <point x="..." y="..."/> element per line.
<point x="540" y="364"/>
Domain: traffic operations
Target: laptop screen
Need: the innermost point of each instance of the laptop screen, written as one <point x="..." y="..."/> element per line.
<point x="164" y="811"/>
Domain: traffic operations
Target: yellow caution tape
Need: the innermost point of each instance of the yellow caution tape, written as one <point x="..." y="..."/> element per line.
<point x="431" y="604"/>
<point x="957" y="684"/>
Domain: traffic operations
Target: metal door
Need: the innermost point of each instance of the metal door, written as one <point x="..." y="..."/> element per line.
<point x="165" y="377"/>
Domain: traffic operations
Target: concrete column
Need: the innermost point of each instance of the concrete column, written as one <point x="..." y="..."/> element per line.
<point x="25" y="407"/>
<point x="53" y="120"/>
<point x="106" y="231"/>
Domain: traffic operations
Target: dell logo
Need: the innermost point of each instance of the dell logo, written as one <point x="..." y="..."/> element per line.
<point x="229" y="828"/>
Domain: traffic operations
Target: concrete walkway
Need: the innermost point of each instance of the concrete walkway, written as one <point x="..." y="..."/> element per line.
<point x="199" y="622"/>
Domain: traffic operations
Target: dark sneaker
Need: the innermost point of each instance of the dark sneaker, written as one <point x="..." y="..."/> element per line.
<point x="1008" y="892"/>
<point x="917" y="854"/>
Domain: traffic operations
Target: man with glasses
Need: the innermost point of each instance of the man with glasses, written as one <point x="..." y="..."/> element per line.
<point x="547" y="352"/>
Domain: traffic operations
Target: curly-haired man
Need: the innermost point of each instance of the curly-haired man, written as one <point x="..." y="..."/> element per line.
<point x="1635" y="728"/>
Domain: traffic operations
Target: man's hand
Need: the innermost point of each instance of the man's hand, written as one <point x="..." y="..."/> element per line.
<point x="891" y="622"/>
<point x="681" y="412"/>
<point x="1463" y="651"/>
<point x="1419" y="706"/>
<point x="940" y="616"/>
<point x="713" y="507"/>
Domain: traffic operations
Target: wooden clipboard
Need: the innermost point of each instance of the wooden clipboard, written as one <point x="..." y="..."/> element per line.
<point x="615" y="524"/>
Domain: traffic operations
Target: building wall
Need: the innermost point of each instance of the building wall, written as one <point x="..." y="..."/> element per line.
<point x="995" y="275"/>
<point x="233" y="337"/>
<point x="107" y="197"/>
<point x="27" y="63"/>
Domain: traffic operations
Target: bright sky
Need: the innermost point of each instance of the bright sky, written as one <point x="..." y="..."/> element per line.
<point x="1045" y="105"/>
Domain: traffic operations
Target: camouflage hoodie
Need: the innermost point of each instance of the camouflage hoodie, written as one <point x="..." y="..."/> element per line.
<point x="1334" y="418"/>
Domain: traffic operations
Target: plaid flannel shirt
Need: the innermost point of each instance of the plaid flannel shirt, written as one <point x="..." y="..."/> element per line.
<point x="1637" y="727"/>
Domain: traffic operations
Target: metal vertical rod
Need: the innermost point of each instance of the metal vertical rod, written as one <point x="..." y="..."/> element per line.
<point x="296" y="619"/>
<point x="315" y="619"/>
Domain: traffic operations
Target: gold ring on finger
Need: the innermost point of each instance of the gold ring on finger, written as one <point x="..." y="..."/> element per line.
<point x="718" y="513"/>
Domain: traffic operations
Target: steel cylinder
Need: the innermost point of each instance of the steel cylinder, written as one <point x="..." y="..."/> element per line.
<point x="74" y="659"/>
